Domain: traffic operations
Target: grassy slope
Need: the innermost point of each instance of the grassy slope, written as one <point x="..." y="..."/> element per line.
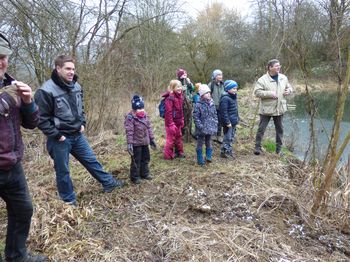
<point x="252" y="208"/>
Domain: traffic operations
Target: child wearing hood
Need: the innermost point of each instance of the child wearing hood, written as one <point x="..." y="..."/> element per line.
<point x="206" y="122"/>
<point x="228" y="117"/>
<point x="173" y="120"/>
<point x="139" y="136"/>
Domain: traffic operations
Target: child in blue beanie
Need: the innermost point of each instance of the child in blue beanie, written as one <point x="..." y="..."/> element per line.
<point x="206" y="122"/>
<point x="228" y="117"/>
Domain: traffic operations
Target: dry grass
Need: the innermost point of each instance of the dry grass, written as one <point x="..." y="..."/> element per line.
<point x="247" y="209"/>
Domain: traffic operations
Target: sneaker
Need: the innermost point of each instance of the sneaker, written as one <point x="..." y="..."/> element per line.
<point x="148" y="177"/>
<point x="71" y="203"/>
<point x="118" y="184"/>
<point x="33" y="258"/>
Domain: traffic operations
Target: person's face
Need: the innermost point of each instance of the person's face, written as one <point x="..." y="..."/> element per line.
<point x="178" y="89"/>
<point x="218" y="78"/>
<point x="206" y="96"/>
<point x="275" y="69"/>
<point x="184" y="76"/>
<point x="3" y="65"/>
<point x="66" y="71"/>
<point x="232" y="91"/>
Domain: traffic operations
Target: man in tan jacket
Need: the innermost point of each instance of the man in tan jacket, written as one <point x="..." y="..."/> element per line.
<point x="271" y="88"/>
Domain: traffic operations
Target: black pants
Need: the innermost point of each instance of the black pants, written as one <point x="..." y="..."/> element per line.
<point x="14" y="191"/>
<point x="139" y="163"/>
<point x="264" y="121"/>
<point x="219" y="131"/>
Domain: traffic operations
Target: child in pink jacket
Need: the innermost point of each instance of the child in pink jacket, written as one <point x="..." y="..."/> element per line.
<point x="174" y="120"/>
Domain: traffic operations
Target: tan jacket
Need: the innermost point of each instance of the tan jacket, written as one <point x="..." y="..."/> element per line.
<point x="265" y="88"/>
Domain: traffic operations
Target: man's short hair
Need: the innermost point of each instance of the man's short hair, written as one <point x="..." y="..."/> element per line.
<point x="61" y="59"/>
<point x="271" y="63"/>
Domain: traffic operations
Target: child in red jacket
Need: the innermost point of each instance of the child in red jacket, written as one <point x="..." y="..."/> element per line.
<point x="174" y="120"/>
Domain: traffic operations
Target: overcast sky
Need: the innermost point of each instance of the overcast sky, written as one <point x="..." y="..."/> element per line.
<point x="194" y="6"/>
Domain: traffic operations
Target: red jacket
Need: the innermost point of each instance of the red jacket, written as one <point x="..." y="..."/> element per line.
<point x="173" y="109"/>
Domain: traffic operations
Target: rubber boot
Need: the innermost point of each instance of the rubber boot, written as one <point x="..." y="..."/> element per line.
<point x="209" y="154"/>
<point x="200" y="159"/>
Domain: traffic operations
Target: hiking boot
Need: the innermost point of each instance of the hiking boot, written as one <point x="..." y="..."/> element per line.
<point x="136" y="181"/>
<point x="31" y="258"/>
<point x="148" y="177"/>
<point x="279" y="153"/>
<point x="257" y="151"/>
<point x="223" y="155"/>
<point x="181" y="156"/>
<point x="118" y="184"/>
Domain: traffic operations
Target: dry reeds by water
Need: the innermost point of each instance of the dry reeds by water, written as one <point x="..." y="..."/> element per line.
<point x="251" y="208"/>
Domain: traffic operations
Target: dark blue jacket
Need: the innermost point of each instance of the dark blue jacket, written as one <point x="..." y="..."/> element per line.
<point x="228" y="109"/>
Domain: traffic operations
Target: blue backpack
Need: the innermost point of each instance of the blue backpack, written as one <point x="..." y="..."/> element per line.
<point x="161" y="108"/>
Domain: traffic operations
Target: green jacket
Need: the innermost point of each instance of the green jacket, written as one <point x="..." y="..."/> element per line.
<point x="265" y="88"/>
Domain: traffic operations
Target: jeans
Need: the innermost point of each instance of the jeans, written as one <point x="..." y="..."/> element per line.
<point x="139" y="163"/>
<point x="264" y="121"/>
<point x="78" y="146"/>
<point x="14" y="191"/>
<point x="229" y="133"/>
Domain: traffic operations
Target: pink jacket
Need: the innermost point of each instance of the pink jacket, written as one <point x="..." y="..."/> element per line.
<point x="173" y="109"/>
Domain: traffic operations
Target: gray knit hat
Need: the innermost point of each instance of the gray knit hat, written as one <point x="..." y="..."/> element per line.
<point x="5" y="47"/>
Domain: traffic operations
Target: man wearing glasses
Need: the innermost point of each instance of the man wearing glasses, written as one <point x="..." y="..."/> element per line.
<point x="271" y="88"/>
<point x="16" y="108"/>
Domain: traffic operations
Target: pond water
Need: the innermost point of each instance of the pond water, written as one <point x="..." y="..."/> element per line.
<point x="297" y="124"/>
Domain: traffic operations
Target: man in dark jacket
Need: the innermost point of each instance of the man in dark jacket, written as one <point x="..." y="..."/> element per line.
<point x="16" y="108"/>
<point x="62" y="120"/>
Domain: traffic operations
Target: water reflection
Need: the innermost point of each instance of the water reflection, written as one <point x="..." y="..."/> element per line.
<point x="297" y="124"/>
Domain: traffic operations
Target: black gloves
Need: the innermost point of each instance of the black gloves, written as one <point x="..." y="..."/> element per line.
<point x="153" y="144"/>
<point x="131" y="149"/>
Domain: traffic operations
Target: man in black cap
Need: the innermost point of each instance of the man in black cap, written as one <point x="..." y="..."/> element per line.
<point x="16" y="108"/>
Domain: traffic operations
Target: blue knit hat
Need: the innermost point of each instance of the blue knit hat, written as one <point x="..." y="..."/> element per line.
<point x="137" y="102"/>
<point x="215" y="73"/>
<point x="229" y="84"/>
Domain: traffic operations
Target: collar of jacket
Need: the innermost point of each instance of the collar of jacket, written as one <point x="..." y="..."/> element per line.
<point x="7" y="80"/>
<point x="58" y="81"/>
<point x="233" y="96"/>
